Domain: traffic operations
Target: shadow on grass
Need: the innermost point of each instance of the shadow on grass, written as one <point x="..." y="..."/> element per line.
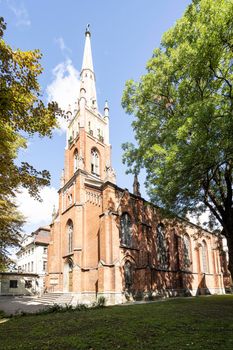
<point x="183" y="323"/>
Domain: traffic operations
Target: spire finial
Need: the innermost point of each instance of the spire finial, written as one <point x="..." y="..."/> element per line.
<point x="136" y="186"/>
<point x="54" y="213"/>
<point x="106" y="109"/>
<point x="88" y="30"/>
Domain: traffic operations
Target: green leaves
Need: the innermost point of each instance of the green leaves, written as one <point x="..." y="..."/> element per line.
<point x="183" y="109"/>
<point x="21" y="111"/>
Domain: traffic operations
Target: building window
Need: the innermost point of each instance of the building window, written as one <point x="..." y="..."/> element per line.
<point x="95" y="162"/>
<point x="32" y="266"/>
<point x="44" y="265"/>
<point x="186" y="252"/>
<point x="126" y="230"/>
<point x="28" y="284"/>
<point x="75" y="160"/>
<point x="70" y="235"/>
<point x="204" y="254"/>
<point x="13" y="284"/>
<point x="29" y="267"/>
<point x="45" y="250"/>
<point x="128" y="274"/>
<point x="70" y="200"/>
<point x="162" y="253"/>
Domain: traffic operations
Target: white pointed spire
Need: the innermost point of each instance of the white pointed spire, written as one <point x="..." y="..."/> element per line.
<point x="87" y="56"/>
<point x="87" y="73"/>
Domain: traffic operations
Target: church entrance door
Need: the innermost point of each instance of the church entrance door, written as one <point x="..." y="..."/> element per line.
<point x="68" y="275"/>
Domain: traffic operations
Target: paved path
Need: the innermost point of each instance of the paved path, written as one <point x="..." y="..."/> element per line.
<point x="14" y="305"/>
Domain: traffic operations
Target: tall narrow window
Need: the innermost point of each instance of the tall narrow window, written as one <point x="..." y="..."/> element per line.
<point x="75" y="160"/>
<point x="44" y="265"/>
<point x="95" y="162"/>
<point x="126" y="231"/>
<point x="70" y="200"/>
<point x="204" y="254"/>
<point x="186" y="251"/>
<point x="70" y="235"/>
<point x="162" y="254"/>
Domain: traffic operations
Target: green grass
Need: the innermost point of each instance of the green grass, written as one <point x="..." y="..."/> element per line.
<point x="187" y="323"/>
<point x="2" y="314"/>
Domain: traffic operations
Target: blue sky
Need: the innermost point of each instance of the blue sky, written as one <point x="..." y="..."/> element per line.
<point x="124" y="34"/>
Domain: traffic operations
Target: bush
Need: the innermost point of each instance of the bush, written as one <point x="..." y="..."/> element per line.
<point x="101" y="302"/>
<point x="2" y="314"/>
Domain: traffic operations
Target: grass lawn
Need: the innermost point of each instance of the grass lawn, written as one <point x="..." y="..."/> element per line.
<point x="187" y="323"/>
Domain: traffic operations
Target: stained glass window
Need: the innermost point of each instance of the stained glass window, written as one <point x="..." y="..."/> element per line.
<point x="126" y="231"/>
<point x="70" y="235"/>
<point x="186" y="251"/>
<point x="162" y="253"/>
<point x="205" y="267"/>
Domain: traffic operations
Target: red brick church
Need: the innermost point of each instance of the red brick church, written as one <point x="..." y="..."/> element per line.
<point x="106" y="241"/>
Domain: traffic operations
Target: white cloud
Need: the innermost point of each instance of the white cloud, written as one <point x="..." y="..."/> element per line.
<point x="20" y="12"/>
<point x="61" y="43"/>
<point x="64" y="88"/>
<point x="37" y="213"/>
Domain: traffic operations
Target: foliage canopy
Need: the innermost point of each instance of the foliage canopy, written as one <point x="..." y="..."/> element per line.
<point x="183" y="108"/>
<point x="22" y="112"/>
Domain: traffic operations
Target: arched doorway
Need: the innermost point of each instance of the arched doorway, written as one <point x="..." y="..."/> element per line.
<point x="68" y="275"/>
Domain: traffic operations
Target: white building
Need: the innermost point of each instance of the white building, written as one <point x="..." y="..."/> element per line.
<point x="32" y="257"/>
<point x="23" y="283"/>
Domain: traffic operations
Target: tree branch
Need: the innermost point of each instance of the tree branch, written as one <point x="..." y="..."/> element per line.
<point x="221" y="78"/>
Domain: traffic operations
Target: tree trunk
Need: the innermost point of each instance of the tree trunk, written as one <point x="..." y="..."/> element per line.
<point x="230" y="253"/>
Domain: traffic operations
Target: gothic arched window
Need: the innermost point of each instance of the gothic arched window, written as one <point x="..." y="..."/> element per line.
<point x="75" y="160"/>
<point x="70" y="199"/>
<point x="128" y="274"/>
<point x="162" y="255"/>
<point x="95" y="162"/>
<point x="70" y="230"/>
<point x="126" y="232"/>
<point x="204" y="255"/>
<point x="186" y="251"/>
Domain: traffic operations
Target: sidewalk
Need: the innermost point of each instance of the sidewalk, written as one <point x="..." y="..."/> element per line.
<point x="13" y="305"/>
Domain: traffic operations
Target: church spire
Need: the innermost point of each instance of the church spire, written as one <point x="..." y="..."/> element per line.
<point x="87" y="56"/>
<point x="87" y="73"/>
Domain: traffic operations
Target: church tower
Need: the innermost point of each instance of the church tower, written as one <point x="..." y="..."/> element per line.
<point x="73" y="251"/>
<point x="88" y="147"/>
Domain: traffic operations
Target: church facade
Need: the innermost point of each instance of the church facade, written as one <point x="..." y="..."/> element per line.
<point x="106" y="241"/>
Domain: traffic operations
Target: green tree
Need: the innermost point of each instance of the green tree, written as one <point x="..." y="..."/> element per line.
<point x="22" y="112"/>
<point x="183" y="116"/>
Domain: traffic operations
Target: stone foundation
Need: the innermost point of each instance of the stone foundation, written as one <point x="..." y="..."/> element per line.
<point x="114" y="298"/>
